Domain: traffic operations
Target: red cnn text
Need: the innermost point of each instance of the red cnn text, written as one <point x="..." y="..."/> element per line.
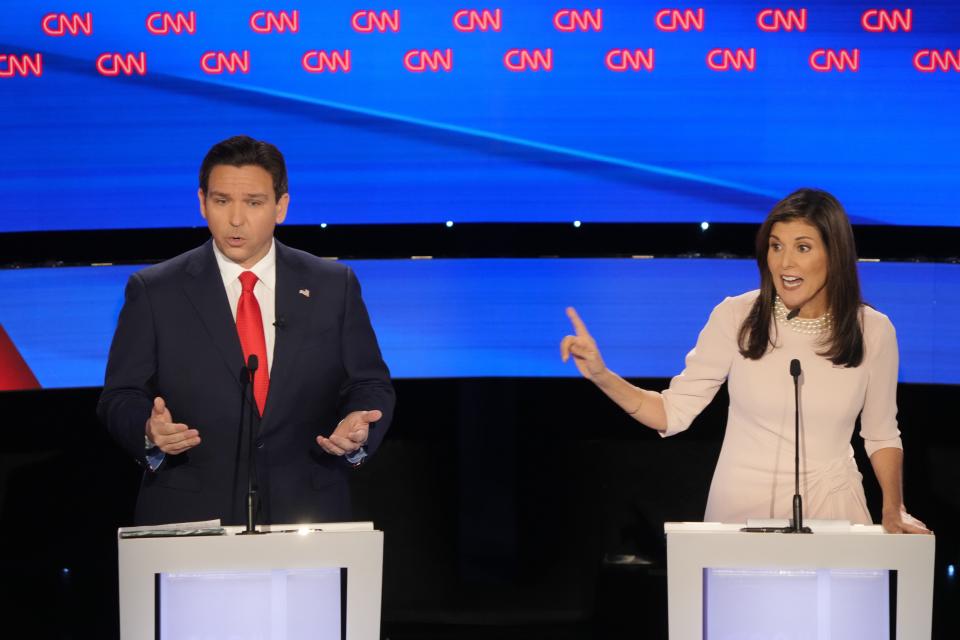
<point x="420" y="60"/>
<point x="830" y="60"/>
<point x="472" y="20"/>
<point x="163" y="23"/>
<point x="732" y="59"/>
<point x="878" y="20"/>
<point x="367" y="21"/>
<point x="217" y="62"/>
<point x="629" y="60"/>
<point x="23" y="65"/>
<point x="780" y="20"/>
<point x="529" y="60"/>
<point x="929" y="61"/>
<point x="323" y="61"/>
<point x="114" y="64"/>
<point x="569" y="20"/>
<point x="275" y="21"/>
<point x="680" y="20"/>
<point x="61" y="24"/>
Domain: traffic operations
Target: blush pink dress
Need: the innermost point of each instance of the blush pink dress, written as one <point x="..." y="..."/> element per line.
<point x="754" y="474"/>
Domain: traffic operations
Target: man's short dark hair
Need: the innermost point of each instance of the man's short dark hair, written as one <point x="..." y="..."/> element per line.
<point x="240" y="151"/>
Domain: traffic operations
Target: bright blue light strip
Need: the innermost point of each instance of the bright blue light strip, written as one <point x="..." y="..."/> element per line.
<point x="501" y="317"/>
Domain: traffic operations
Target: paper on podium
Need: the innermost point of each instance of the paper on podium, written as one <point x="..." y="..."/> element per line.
<point x="176" y="529"/>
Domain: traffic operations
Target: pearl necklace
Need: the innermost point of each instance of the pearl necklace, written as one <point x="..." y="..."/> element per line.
<point x="813" y="327"/>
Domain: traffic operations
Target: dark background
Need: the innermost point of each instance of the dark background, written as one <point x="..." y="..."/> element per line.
<point x="512" y="508"/>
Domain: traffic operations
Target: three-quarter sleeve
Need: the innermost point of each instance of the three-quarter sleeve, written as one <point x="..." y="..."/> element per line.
<point x="706" y="368"/>
<point x="878" y="421"/>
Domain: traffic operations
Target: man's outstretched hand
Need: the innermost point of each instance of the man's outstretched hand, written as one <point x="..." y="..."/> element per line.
<point x="350" y="434"/>
<point x="169" y="436"/>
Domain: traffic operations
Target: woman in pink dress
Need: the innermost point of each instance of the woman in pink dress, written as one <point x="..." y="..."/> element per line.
<point x="808" y="308"/>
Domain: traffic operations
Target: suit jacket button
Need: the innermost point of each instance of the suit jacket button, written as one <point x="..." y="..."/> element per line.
<point x="259" y="444"/>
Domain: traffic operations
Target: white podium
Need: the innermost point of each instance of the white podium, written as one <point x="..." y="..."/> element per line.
<point x="838" y="583"/>
<point x="298" y="581"/>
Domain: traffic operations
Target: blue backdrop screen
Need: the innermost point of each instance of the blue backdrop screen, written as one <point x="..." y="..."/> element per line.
<point x="518" y="111"/>
<point x="496" y="317"/>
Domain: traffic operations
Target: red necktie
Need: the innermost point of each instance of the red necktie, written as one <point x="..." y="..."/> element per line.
<point x="250" y="330"/>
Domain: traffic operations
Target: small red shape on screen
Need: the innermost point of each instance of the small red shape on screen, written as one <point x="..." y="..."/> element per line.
<point x="15" y="374"/>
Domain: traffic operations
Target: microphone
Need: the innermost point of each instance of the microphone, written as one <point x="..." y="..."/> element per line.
<point x="253" y="363"/>
<point x="790" y="316"/>
<point x="280" y="322"/>
<point x="244" y="382"/>
<point x="797" y="525"/>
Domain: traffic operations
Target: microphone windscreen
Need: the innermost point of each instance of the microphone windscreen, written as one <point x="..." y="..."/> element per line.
<point x="795" y="368"/>
<point x="253" y="362"/>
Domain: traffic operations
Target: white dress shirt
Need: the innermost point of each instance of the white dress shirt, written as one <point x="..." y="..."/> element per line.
<point x="265" y="290"/>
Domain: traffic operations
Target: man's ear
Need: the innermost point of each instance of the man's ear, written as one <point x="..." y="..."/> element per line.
<point x="201" y="196"/>
<point x="282" y="205"/>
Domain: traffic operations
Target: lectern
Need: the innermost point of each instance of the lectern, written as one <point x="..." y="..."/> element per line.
<point x="841" y="582"/>
<point x="297" y="581"/>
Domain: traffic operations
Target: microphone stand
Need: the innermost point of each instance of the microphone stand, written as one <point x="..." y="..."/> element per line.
<point x="244" y="382"/>
<point x="797" y="524"/>
<point x="252" y="365"/>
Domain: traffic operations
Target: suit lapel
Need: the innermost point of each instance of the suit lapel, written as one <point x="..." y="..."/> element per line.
<point x="293" y="308"/>
<point x="204" y="288"/>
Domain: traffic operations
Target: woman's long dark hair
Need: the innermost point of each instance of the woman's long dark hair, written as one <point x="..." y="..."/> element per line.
<point x="844" y="345"/>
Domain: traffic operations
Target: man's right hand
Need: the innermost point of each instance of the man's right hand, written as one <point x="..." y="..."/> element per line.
<point x="169" y="436"/>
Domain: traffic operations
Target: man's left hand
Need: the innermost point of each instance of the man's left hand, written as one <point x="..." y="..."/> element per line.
<point x="350" y="434"/>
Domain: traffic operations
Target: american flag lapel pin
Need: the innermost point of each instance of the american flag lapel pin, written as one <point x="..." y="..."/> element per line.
<point x="305" y="293"/>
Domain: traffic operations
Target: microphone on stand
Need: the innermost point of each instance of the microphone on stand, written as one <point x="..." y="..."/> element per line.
<point x="244" y="382"/>
<point x="797" y="524"/>
<point x="253" y="364"/>
<point x="790" y="316"/>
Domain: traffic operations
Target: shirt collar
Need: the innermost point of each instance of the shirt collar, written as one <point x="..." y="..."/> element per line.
<point x="265" y="269"/>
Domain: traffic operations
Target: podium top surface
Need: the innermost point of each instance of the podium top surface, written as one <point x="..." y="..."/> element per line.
<point x="817" y="526"/>
<point x="213" y="528"/>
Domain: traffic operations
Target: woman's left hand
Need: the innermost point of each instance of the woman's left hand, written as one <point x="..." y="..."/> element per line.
<point x="899" y="521"/>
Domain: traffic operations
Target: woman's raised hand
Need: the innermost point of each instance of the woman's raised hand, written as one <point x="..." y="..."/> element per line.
<point x="582" y="347"/>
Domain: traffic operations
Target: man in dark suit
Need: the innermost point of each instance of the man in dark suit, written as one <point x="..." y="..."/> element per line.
<point x="175" y="383"/>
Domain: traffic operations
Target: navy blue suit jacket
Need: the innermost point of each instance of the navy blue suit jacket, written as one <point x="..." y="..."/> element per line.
<point x="176" y="338"/>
